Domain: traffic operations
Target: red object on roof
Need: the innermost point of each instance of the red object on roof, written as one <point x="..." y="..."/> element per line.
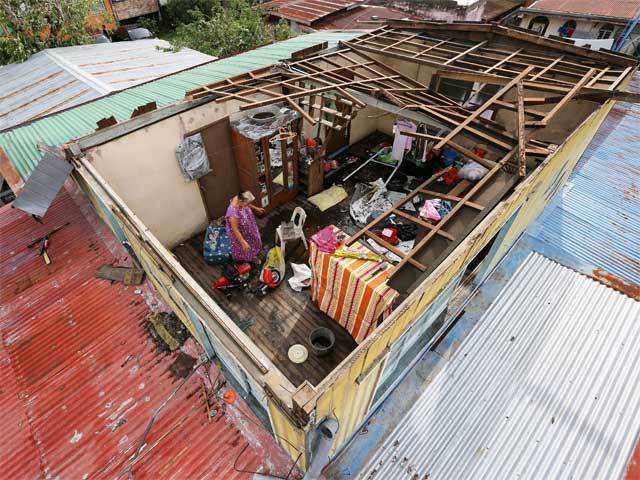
<point x="626" y="9"/>
<point x="80" y="378"/>
<point x="305" y="11"/>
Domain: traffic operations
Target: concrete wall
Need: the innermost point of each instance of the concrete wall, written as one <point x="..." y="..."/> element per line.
<point x="142" y="168"/>
<point x="585" y="28"/>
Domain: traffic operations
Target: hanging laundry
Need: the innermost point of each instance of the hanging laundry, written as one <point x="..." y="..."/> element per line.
<point x="401" y="143"/>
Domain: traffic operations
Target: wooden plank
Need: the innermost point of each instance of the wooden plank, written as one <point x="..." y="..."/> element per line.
<point x="421" y="222"/>
<point x="432" y="47"/>
<point x="453" y="198"/>
<point x="503" y="61"/>
<point x="595" y="79"/>
<point x="462" y="54"/>
<point x="299" y="109"/>
<point x="621" y="77"/>
<point x="453" y="211"/>
<point x="547" y="68"/>
<point x="482" y="108"/>
<point x="552" y="113"/>
<point x="522" y="140"/>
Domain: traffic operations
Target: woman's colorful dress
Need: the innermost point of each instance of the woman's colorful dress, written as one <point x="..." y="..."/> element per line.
<point x="249" y="230"/>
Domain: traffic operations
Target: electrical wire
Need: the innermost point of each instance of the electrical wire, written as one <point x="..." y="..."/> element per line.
<point x="153" y="419"/>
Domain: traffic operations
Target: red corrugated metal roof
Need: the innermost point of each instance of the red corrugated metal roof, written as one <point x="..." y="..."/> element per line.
<point x="80" y="378"/>
<point x="305" y="11"/>
<point x="606" y="8"/>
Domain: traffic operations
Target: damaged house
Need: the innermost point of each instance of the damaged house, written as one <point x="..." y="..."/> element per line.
<point x="411" y="157"/>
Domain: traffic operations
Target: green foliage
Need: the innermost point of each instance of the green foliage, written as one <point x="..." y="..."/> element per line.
<point x="181" y="12"/>
<point x="229" y="27"/>
<point x="148" y="23"/>
<point x="28" y="26"/>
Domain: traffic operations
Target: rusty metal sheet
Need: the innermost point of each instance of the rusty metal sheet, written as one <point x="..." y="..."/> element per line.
<point x="305" y="11"/>
<point x="606" y="8"/>
<point x="80" y="378"/>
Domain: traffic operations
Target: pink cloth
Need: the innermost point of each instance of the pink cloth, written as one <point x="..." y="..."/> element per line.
<point x="401" y="143"/>
<point x="326" y="240"/>
<point x="249" y="230"/>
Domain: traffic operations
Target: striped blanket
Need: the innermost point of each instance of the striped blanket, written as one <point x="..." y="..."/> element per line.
<point x="352" y="292"/>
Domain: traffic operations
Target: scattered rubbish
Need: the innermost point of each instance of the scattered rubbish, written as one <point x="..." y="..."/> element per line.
<point x="245" y="324"/>
<point x="229" y="396"/>
<point x="43" y="243"/>
<point x="472" y="171"/>
<point x="182" y="365"/>
<point x="168" y="332"/>
<point x="125" y="275"/>
<point x="301" y="277"/>
<point x="298" y="353"/>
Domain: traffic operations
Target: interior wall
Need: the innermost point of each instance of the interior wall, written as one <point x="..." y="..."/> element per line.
<point x="143" y="170"/>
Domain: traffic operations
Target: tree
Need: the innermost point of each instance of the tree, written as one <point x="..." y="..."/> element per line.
<point x="28" y="26"/>
<point x="227" y="28"/>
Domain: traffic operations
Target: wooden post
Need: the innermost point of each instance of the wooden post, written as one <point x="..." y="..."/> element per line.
<point x="522" y="141"/>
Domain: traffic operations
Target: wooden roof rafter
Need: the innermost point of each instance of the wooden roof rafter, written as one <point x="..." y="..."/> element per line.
<point x="488" y="57"/>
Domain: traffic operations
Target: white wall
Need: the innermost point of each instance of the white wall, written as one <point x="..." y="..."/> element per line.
<point x="584" y="28"/>
<point x="142" y="168"/>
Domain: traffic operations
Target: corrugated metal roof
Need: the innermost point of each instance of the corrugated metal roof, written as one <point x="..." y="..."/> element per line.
<point x="59" y="78"/>
<point x="606" y="8"/>
<point x="359" y="16"/>
<point x="306" y="11"/>
<point x="20" y="144"/>
<point x="80" y="378"/>
<point x="543" y="387"/>
<point x="596" y="217"/>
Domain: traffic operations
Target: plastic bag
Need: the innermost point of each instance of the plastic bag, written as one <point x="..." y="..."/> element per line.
<point x="192" y="158"/>
<point x="472" y="171"/>
<point x="301" y="277"/>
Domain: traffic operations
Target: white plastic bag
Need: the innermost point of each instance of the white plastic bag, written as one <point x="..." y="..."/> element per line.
<point x="472" y="171"/>
<point x="301" y="276"/>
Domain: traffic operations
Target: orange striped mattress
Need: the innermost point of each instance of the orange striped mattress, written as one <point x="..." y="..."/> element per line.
<point x="352" y="292"/>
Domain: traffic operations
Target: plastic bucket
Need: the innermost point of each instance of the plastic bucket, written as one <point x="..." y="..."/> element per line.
<point x="322" y="341"/>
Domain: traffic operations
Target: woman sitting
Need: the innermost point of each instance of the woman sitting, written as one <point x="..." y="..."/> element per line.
<point x="242" y="228"/>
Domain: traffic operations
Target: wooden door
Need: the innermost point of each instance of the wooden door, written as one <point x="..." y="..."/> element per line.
<point x="218" y="186"/>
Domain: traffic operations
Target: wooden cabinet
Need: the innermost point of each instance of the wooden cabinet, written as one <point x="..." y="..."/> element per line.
<point x="272" y="183"/>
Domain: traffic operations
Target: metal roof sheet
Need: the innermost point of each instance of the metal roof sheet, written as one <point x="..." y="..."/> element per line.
<point x="596" y="217"/>
<point x="306" y="11"/>
<point x="80" y="377"/>
<point x="626" y="9"/>
<point x="543" y="387"/>
<point x="20" y="143"/>
<point x="59" y="78"/>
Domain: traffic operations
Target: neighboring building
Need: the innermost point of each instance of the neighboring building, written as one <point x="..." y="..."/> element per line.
<point x="311" y="15"/>
<point x="58" y="79"/>
<point x="127" y="10"/>
<point x="597" y="23"/>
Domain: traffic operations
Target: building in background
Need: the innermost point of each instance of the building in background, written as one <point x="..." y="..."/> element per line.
<point x="597" y="23"/>
<point x="127" y="10"/>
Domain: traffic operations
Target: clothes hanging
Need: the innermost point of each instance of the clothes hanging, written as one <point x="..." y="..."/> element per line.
<point x="401" y="143"/>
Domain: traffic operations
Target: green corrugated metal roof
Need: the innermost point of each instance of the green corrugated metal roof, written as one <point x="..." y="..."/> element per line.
<point x="20" y="144"/>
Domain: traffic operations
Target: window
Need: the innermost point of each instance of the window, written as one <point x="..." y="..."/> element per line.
<point x="539" y="24"/>
<point x="606" y="31"/>
<point x="567" y="29"/>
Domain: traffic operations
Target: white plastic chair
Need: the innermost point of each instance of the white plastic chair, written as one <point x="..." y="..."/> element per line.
<point x="298" y="217"/>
